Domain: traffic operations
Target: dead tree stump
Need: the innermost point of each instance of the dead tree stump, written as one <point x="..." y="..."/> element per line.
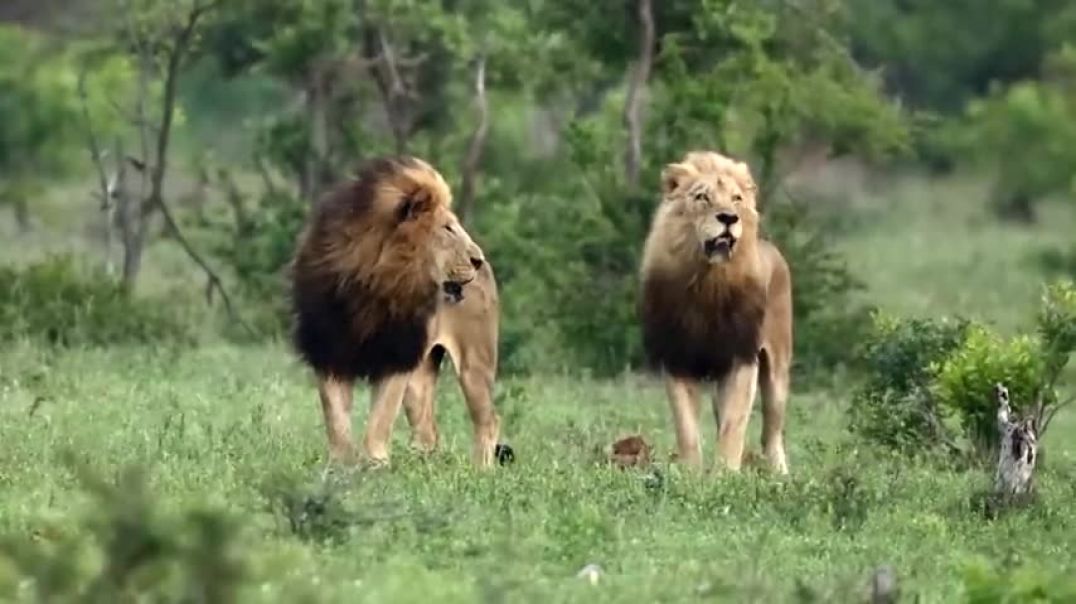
<point x="1018" y="450"/>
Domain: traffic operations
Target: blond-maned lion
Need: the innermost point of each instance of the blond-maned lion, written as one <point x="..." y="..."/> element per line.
<point x="716" y="305"/>
<point x="385" y="282"/>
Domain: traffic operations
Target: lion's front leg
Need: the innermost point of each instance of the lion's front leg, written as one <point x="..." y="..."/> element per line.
<point x="336" y="398"/>
<point x="684" y="401"/>
<point x="732" y="410"/>
<point x="385" y="400"/>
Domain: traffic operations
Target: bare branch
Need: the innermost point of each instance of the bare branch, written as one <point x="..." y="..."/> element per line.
<point x="180" y="46"/>
<point x="103" y="183"/>
<point x="396" y="96"/>
<point x="95" y="147"/>
<point x="1050" y="413"/>
<point x="213" y="280"/>
<point x="477" y="144"/>
<point x="640" y="74"/>
<point x="133" y="116"/>
<point x="396" y="87"/>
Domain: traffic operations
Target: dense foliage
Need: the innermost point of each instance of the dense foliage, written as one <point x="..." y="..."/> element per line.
<point x="65" y="304"/>
<point x="930" y="381"/>
<point x="551" y="120"/>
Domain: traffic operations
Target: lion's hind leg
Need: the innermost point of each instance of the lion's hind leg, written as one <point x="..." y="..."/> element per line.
<point x="420" y="404"/>
<point x="477" y="384"/>
<point x="773" y="380"/>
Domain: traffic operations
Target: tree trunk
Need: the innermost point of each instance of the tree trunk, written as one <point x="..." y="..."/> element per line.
<point x="1018" y="450"/>
<point x="133" y="226"/>
<point x="640" y="73"/>
<point x="317" y="107"/>
<point x="133" y="245"/>
<point x="384" y="67"/>
<point x="469" y="185"/>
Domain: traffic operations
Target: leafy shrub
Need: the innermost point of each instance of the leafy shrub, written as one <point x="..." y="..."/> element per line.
<point x="1034" y="122"/>
<point x="54" y="301"/>
<point x="985" y="583"/>
<point x="258" y="250"/>
<point x="964" y="381"/>
<point x="925" y="372"/>
<point x="894" y="407"/>
<point x="127" y="548"/>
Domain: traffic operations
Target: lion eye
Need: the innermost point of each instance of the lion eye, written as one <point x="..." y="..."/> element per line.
<point x="701" y="196"/>
<point x="737" y="198"/>
<point x="448" y="227"/>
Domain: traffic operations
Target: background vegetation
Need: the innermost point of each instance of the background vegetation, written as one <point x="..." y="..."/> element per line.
<point x="157" y="159"/>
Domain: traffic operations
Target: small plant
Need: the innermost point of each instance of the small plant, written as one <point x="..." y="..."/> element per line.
<point x="986" y="583"/>
<point x="312" y="515"/>
<point x="127" y="549"/>
<point x="895" y="407"/>
<point x="964" y="381"/>
<point x="54" y="301"/>
<point x="925" y="375"/>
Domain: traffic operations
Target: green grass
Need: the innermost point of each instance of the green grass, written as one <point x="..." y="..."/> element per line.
<point x="932" y="247"/>
<point x="239" y="430"/>
<point x="235" y="429"/>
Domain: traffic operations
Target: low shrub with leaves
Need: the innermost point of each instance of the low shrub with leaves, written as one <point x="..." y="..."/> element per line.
<point x="986" y="583"/>
<point x="57" y="302"/>
<point x="963" y="380"/>
<point x="258" y="247"/>
<point x="127" y="549"/>
<point x="930" y="382"/>
<point x="894" y="407"/>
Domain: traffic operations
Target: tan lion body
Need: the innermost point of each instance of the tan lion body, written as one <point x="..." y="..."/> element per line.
<point x="716" y="305"/>
<point x="385" y="281"/>
<point x="467" y="332"/>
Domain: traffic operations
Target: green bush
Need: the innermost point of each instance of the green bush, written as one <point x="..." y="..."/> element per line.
<point x="258" y="252"/>
<point x="985" y="583"/>
<point x="923" y="373"/>
<point x="127" y="548"/>
<point x="894" y="407"/>
<point x="54" y="301"/>
<point x="964" y="381"/>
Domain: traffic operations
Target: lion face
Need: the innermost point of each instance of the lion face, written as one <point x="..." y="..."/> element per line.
<point x="456" y="257"/>
<point x="714" y="205"/>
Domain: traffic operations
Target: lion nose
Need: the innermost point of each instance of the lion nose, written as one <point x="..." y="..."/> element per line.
<point x="727" y="218"/>
<point x="477" y="263"/>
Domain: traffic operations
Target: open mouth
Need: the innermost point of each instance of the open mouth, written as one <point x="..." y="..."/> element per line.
<point x="720" y="246"/>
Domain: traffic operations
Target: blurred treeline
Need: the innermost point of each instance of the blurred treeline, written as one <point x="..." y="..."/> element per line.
<point x="214" y="124"/>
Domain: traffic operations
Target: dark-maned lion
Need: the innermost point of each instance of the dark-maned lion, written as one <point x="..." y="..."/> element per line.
<point x="385" y="281"/>
<point x="716" y="305"/>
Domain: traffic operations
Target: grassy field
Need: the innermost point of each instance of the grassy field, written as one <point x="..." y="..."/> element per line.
<point x="239" y="430"/>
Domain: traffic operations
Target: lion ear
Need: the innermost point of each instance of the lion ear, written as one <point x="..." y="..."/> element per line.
<point x="414" y="205"/>
<point x="674" y="176"/>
